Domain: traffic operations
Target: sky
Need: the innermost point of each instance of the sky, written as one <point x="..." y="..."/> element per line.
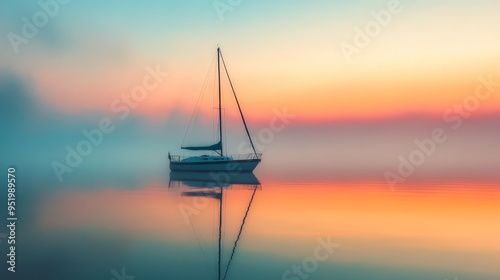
<point x="417" y="71"/>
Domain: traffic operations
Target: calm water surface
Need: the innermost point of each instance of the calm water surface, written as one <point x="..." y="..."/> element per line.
<point x="155" y="227"/>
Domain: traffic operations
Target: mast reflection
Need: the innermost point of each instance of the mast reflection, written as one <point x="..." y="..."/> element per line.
<point x="214" y="185"/>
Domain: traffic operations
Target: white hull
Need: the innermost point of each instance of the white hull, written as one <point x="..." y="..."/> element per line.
<point x="246" y="165"/>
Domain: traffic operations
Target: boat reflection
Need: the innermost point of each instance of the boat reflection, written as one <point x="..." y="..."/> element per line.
<point x="213" y="179"/>
<point x="215" y="185"/>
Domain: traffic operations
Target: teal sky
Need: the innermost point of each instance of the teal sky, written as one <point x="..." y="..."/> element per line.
<point x="280" y="54"/>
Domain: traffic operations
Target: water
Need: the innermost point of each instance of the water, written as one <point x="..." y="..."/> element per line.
<point x="144" y="225"/>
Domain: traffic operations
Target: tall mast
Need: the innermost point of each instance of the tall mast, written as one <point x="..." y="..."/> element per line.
<point x="220" y="232"/>
<point x="220" y="103"/>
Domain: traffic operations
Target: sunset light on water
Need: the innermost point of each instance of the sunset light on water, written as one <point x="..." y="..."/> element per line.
<point x="247" y="140"/>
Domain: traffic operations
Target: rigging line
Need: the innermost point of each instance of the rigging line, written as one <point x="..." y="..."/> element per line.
<point x="225" y="124"/>
<point x="224" y="217"/>
<point x="192" y="119"/>
<point x="239" y="233"/>
<point x="215" y="110"/>
<point x="199" y="244"/>
<point x="213" y="264"/>
<point x="214" y="234"/>
<point x="220" y="230"/>
<point x="214" y="126"/>
<point x="224" y="119"/>
<point x="239" y="107"/>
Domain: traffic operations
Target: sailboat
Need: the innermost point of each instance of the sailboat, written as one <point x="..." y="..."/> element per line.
<point x="205" y="186"/>
<point x="218" y="161"/>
